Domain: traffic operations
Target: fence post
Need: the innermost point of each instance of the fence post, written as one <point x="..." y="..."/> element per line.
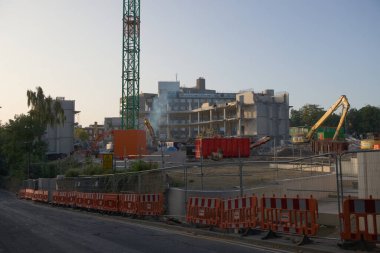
<point x="139" y="182"/>
<point x="185" y="168"/>
<point x="337" y="165"/>
<point x="201" y="167"/>
<point x="241" y="178"/>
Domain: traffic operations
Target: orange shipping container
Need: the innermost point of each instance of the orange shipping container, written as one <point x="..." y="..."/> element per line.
<point x="129" y="143"/>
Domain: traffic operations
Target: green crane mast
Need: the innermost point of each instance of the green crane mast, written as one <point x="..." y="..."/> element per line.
<point x="130" y="104"/>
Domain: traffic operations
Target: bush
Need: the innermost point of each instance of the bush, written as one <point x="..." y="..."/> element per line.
<point x="95" y="169"/>
<point x="141" y="166"/>
<point x="72" y="173"/>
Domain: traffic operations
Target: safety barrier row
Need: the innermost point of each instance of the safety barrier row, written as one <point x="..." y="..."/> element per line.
<point x="285" y="215"/>
<point x="124" y="203"/>
<point x="360" y="219"/>
<point x="41" y="196"/>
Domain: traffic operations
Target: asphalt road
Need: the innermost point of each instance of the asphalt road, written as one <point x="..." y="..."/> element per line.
<point x="26" y="226"/>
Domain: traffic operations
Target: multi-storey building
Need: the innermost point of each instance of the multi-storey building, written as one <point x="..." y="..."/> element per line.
<point x="178" y="113"/>
<point x="60" y="138"/>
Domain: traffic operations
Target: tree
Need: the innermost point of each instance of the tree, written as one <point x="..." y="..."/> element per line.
<point x="309" y="114"/>
<point x="369" y="119"/>
<point x="44" y="110"/>
<point x="81" y="135"/>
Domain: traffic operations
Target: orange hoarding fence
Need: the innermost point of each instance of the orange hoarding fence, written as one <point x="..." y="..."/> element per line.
<point x="128" y="203"/>
<point x="360" y="220"/>
<point x="289" y="215"/>
<point x="239" y="213"/>
<point x="201" y="210"/>
<point x="151" y="204"/>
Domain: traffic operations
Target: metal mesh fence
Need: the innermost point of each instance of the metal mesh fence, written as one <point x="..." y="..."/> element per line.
<point x="359" y="173"/>
<point x="140" y="182"/>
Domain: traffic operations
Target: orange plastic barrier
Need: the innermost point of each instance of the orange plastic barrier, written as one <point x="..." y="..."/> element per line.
<point x="45" y="196"/>
<point x="106" y="202"/>
<point x="151" y="204"/>
<point x="89" y="201"/>
<point x="201" y="210"/>
<point x="111" y="202"/>
<point x="128" y="203"/>
<point x="289" y="215"/>
<point x="55" y="198"/>
<point x="239" y="213"/>
<point x="98" y="201"/>
<point x="71" y="198"/>
<point x="22" y="193"/>
<point x="79" y="200"/>
<point x="360" y="220"/>
<point x="62" y="198"/>
<point x="36" y="195"/>
<point x="29" y="193"/>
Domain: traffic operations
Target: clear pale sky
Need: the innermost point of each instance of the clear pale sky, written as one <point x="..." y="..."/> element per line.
<point x="315" y="50"/>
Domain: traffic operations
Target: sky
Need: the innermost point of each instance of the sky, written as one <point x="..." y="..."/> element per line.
<point x="314" y="50"/>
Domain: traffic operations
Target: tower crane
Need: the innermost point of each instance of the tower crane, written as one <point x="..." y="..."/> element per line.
<point x="130" y="103"/>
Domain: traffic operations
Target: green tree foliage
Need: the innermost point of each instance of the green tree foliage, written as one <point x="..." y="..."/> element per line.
<point x="21" y="138"/>
<point x="81" y="134"/>
<point x="309" y="114"/>
<point x="44" y="110"/>
<point x="358" y="122"/>
<point x="363" y="121"/>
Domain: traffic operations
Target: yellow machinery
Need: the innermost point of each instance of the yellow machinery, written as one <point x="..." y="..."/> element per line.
<point x="342" y="101"/>
<point x="151" y="132"/>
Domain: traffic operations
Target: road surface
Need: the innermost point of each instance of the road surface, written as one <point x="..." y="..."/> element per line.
<point x="26" y="226"/>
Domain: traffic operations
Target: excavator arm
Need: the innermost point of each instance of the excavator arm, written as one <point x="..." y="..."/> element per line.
<point x="151" y="131"/>
<point x="342" y="101"/>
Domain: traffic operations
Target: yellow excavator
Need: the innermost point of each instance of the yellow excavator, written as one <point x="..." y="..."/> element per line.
<point x="151" y="132"/>
<point x="342" y="101"/>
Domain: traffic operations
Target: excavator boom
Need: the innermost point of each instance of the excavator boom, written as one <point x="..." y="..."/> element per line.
<point x="342" y="101"/>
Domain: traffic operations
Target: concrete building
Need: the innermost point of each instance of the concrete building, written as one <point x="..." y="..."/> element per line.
<point x="170" y="113"/>
<point x="251" y="114"/>
<point x="180" y="113"/>
<point x="112" y="123"/>
<point x="60" y="138"/>
<point x="94" y="131"/>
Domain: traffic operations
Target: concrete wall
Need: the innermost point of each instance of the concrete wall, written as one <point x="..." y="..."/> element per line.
<point x="369" y="174"/>
<point x="350" y="167"/>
